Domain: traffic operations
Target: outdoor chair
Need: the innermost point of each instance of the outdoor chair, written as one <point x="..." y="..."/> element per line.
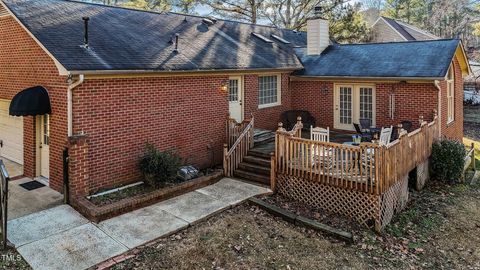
<point x="365" y="124"/>
<point x="320" y="134"/>
<point x="385" y="135"/>
<point x="407" y="125"/>
<point x="367" y="158"/>
<point x="320" y="154"/>
<point x="366" y="137"/>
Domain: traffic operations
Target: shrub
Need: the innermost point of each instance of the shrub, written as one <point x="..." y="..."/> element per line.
<point x="448" y="160"/>
<point x="159" y="167"/>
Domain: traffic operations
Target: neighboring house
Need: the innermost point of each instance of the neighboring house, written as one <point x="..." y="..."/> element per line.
<point x="472" y="84"/>
<point x="171" y="79"/>
<point x="390" y="30"/>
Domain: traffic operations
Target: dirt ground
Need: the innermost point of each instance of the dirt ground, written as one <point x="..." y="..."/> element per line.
<point x="440" y="229"/>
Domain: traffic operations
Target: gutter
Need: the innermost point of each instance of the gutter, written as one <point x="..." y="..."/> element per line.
<point x="71" y="86"/>
<point x="439" y="109"/>
<point x="369" y="78"/>
<point x="170" y="72"/>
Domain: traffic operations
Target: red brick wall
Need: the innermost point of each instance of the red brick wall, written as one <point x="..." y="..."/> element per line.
<point x="453" y="130"/>
<point x="412" y="100"/>
<point x="266" y="118"/>
<point x="24" y="64"/>
<point x="315" y="97"/>
<point x="120" y="116"/>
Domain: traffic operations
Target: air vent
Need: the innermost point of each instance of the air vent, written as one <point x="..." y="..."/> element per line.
<point x="262" y="38"/>
<point x="3" y="11"/>
<point x="208" y="22"/>
<point x="282" y="40"/>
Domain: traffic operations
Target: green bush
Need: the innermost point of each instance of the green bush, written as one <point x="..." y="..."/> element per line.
<point x="159" y="167"/>
<point x="448" y="160"/>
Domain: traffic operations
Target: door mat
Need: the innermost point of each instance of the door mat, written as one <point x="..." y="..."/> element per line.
<point x="32" y="185"/>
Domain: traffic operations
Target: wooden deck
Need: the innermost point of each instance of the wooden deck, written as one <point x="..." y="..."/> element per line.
<point x="366" y="182"/>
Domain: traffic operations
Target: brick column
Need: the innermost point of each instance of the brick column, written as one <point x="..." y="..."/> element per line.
<point x="78" y="165"/>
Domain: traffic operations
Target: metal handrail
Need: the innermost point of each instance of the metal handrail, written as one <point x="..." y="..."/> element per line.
<point x="4" y="179"/>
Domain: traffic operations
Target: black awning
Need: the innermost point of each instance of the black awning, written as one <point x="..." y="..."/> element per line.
<point x="31" y="101"/>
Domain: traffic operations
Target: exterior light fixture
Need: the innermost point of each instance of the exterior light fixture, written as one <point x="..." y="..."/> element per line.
<point x="224" y="86"/>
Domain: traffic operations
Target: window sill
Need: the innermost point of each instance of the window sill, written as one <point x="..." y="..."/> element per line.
<point x="450" y="122"/>
<point x="264" y="106"/>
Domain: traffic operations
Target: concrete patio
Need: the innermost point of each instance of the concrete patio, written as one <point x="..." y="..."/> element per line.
<point x="60" y="237"/>
<point x="22" y="202"/>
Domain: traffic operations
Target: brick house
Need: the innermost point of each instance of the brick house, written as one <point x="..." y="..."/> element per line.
<point x="170" y="79"/>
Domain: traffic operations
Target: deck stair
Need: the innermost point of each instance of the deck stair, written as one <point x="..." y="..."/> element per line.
<point x="256" y="165"/>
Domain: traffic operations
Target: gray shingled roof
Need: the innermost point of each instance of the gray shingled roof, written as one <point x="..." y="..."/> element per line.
<point x="124" y="39"/>
<point x="132" y="40"/>
<point x="417" y="59"/>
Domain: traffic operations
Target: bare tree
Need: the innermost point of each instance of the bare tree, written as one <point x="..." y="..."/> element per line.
<point x="244" y="10"/>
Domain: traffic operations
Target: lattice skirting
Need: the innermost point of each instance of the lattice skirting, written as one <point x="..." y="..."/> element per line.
<point x="393" y="201"/>
<point x="373" y="211"/>
<point x="359" y="206"/>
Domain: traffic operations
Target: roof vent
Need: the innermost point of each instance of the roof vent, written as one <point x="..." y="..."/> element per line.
<point x="176" y="42"/>
<point x="282" y="40"/>
<point x="3" y="11"/>
<point x="85" y="36"/>
<point x="208" y="22"/>
<point x="262" y="38"/>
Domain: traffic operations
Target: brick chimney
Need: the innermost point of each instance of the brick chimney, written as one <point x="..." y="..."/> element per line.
<point x="318" y="37"/>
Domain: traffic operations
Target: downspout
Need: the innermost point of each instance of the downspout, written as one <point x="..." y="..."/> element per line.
<point x="71" y="86"/>
<point x="439" y="109"/>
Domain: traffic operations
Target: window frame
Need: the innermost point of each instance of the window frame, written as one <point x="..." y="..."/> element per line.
<point x="279" y="91"/>
<point x="450" y="79"/>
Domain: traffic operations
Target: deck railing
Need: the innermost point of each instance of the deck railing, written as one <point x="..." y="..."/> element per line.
<point x="366" y="182"/>
<point x="240" y="141"/>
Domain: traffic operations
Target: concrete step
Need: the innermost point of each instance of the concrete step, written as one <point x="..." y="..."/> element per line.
<point x="252" y="177"/>
<point x="258" y="161"/>
<point x="254" y="168"/>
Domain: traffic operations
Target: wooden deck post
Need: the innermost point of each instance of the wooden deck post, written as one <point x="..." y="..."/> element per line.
<point x="273" y="174"/>
<point x="473" y="157"/>
<point x="225" y="160"/>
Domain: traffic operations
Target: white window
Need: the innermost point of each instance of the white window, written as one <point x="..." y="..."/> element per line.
<point x="269" y="91"/>
<point x="450" y="95"/>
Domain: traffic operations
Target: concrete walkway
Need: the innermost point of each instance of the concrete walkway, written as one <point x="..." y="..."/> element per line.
<point x="60" y="238"/>
<point x="22" y="202"/>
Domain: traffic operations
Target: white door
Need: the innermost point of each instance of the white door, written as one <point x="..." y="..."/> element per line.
<point x="11" y="134"/>
<point x="352" y="103"/>
<point x="44" y="145"/>
<point x="235" y="95"/>
<point x="344" y="107"/>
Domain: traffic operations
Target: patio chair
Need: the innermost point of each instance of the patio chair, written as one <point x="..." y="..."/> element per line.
<point x="385" y="135"/>
<point x="407" y="125"/>
<point x="320" y="134"/>
<point x="368" y="156"/>
<point x="365" y="124"/>
<point x="366" y="137"/>
<point x="321" y="155"/>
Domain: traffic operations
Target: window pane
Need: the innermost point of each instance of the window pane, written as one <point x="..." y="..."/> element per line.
<point x="366" y="103"/>
<point x="268" y="90"/>
<point x="233" y="90"/>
